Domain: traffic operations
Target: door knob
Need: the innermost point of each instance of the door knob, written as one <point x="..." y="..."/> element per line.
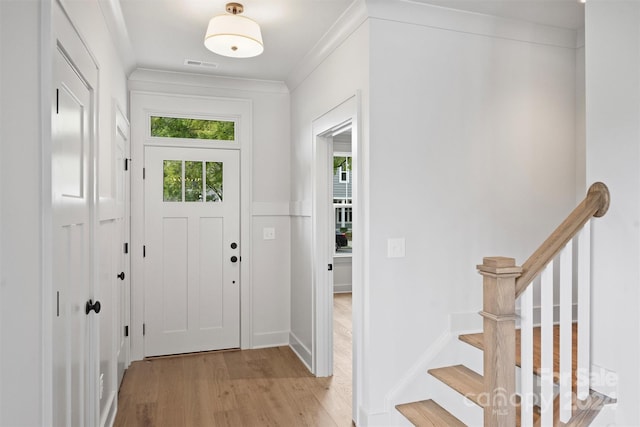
<point x="95" y="306"/>
<point x="234" y="259"/>
<point x="234" y="245"/>
<point x="121" y="275"/>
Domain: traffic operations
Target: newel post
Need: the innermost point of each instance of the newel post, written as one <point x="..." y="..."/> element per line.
<point x="499" y="317"/>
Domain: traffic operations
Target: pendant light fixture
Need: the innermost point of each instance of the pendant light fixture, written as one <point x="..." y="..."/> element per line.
<point x="234" y="35"/>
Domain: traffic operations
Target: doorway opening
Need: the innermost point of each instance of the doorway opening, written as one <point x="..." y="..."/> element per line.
<point x="337" y="244"/>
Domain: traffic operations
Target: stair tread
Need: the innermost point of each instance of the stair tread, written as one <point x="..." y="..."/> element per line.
<point x="477" y="340"/>
<point x="471" y="385"/>
<point x="427" y="413"/>
<point x="468" y="383"/>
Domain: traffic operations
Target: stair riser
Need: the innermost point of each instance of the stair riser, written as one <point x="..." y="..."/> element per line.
<point x="464" y="409"/>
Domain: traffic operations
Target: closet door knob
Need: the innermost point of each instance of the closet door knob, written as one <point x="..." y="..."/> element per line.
<point x="121" y="275"/>
<point x="95" y="306"/>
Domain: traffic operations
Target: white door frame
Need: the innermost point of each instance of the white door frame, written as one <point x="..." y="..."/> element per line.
<point x="344" y="115"/>
<point x="145" y="103"/>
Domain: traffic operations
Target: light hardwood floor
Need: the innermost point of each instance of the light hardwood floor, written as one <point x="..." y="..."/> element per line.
<point x="266" y="387"/>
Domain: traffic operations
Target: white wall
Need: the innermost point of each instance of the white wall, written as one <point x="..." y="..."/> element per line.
<point x="472" y="154"/>
<point x="613" y="156"/>
<point x="335" y="80"/>
<point x="21" y="322"/>
<point x="270" y="275"/>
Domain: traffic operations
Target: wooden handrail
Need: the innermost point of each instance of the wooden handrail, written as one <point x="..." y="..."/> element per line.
<point x="595" y="204"/>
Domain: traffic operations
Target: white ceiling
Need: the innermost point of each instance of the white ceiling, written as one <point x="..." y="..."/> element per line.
<point x="165" y="33"/>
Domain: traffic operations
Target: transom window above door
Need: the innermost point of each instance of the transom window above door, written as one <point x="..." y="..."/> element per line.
<point x="192" y="181"/>
<point x="188" y="128"/>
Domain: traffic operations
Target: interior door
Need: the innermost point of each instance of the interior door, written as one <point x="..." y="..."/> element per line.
<point x="72" y="238"/>
<point x="123" y="206"/>
<point x="192" y="253"/>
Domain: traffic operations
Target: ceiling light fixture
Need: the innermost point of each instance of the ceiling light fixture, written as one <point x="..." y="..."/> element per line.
<point x="234" y="35"/>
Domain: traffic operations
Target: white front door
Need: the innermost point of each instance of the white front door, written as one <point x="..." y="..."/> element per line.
<point x="192" y="253"/>
<point x="72" y="243"/>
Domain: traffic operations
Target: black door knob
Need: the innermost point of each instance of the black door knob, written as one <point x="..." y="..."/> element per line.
<point x="95" y="306"/>
<point x="121" y="275"/>
<point x="234" y="245"/>
<point x="234" y="259"/>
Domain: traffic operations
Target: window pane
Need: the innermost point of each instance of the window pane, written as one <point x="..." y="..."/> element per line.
<point x="344" y="229"/>
<point x="172" y="181"/>
<point x="214" y="181"/>
<point x="172" y="127"/>
<point x="192" y="181"/>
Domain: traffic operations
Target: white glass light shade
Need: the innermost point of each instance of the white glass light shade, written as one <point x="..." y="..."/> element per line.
<point x="234" y="36"/>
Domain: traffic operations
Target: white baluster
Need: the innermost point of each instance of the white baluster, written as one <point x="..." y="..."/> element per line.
<point x="546" y="352"/>
<point x="526" y="358"/>
<point x="584" y="310"/>
<point x="566" y="327"/>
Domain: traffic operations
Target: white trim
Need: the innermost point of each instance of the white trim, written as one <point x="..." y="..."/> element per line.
<point x="439" y="17"/>
<point x="117" y="26"/>
<point x="162" y="81"/>
<point x="301" y="209"/>
<point x="301" y="350"/>
<point x="47" y="45"/>
<point x="270" y="339"/>
<point x="342" y="289"/>
<point x="345" y="25"/>
<point x="141" y="102"/>
<point x="271" y="209"/>
<point x="322" y="250"/>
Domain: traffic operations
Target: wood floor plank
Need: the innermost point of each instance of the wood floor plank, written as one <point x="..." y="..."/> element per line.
<point x="264" y="387"/>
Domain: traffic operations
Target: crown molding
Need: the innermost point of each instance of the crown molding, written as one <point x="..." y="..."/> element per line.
<point x="114" y="19"/>
<point x="344" y="26"/>
<point x="419" y="13"/>
<point x="157" y="80"/>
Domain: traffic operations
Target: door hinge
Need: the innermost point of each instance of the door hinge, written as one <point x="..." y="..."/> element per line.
<point x="57" y="101"/>
<point x="126" y="164"/>
<point x="126" y="331"/>
<point x="144" y="251"/>
<point x="144" y="329"/>
<point x="126" y="248"/>
<point x="58" y="304"/>
<point x="330" y="267"/>
<point x="144" y="173"/>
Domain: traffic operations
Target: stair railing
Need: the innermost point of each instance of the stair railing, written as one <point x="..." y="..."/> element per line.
<point x="565" y="254"/>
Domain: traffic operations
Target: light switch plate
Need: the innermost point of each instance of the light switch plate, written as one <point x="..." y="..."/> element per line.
<point x="395" y="248"/>
<point x="268" y="233"/>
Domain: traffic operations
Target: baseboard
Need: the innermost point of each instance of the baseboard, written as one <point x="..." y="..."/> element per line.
<point x="341" y="289"/>
<point x="270" y="339"/>
<point x="603" y="381"/>
<point x="380" y="419"/>
<point x="301" y="351"/>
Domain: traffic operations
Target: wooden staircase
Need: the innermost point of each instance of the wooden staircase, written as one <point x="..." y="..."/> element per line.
<point x="554" y="353"/>
<point x="470" y="385"/>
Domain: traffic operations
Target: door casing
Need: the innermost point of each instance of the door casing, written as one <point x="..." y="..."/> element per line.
<point x="147" y="103"/>
<point x="343" y="115"/>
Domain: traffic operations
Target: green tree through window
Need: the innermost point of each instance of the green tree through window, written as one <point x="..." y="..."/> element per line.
<point x="173" y="127"/>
